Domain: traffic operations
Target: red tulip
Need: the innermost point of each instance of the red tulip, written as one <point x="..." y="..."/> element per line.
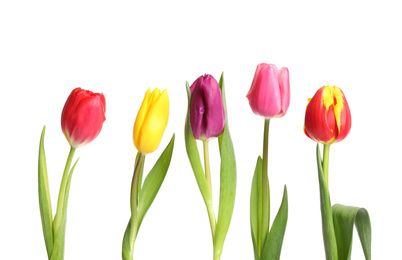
<point x="83" y="116"/>
<point x="328" y="118"/>
<point x="269" y="94"/>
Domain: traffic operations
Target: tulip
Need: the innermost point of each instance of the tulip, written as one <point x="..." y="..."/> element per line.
<point x="269" y="94"/>
<point x="328" y="118"/>
<point x="151" y="121"/>
<point x="207" y="114"/>
<point x="83" y="116"/>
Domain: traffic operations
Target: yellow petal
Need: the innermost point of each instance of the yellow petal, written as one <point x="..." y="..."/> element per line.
<point x="332" y="96"/>
<point x="338" y="106"/>
<point x="140" y="117"/>
<point x="149" y="135"/>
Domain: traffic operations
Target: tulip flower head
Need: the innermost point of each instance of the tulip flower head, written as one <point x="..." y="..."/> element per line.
<point x="83" y="116"/>
<point x="269" y="94"/>
<point x="151" y="121"/>
<point x="328" y="119"/>
<point x="207" y="114"/>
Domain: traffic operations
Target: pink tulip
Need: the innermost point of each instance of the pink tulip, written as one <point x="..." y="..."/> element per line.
<point x="83" y="116"/>
<point x="269" y="94"/>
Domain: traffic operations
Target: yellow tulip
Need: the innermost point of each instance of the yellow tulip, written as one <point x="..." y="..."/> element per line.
<point x="151" y="121"/>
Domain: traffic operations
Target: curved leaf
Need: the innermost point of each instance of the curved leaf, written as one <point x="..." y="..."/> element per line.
<point x="255" y="208"/>
<point x="344" y="219"/>
<point x="45" y="204"/>
<point x="153" y="181"/>
<point x="227" y="182"/>
<point x="326" y="214"/>
<point x="273" y="245"/>
<point x="126" y="243"/>
<point x="194" y="156"/>
<point x="60" y="233"/>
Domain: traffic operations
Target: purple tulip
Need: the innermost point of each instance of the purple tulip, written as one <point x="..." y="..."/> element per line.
<point x="269" y="94"/>
<point x="207" y="114"/>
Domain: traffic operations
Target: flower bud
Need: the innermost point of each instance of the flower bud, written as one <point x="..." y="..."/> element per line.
<point x="207" y="114"/>
<point x="328" y="118"/>
<point x="269" y="94"/>
<point x="151" y="121"/>
<point x="83" y="116"/>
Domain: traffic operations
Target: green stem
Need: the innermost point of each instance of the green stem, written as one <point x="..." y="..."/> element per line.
<point x="207" y="166"/>
<point x="211" y="216"/>
<point x="265" y="188"/>
<point x="134" y="202"/>
<point x="62" y="191"/>
<point x="325" y="162"/>
<point x="209" y="204"/>
<point x="217" y="256"/>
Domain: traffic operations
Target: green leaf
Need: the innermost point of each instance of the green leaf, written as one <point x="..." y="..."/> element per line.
<point x="345" y="217"/>
<point x="194" y="156"/>
<point x="255" y="208"/>
<point x="45" y="204"/>
<point x="326" y="214"/>
<point x="60" y="234"/>
<point x="227" y="181"/>
<point x="58" y="248"/>
<point x="153" y="181"/>
<point x="273" y="245"/>
<point x="126" y="243"/>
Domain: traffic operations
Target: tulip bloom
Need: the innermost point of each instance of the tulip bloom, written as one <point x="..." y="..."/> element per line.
<point x="83" y="116"/>
<point x="328" y="118"/>
<point x="207" y="114"/>
<point x="151" y="121"/>
<point x="269" y="94"/>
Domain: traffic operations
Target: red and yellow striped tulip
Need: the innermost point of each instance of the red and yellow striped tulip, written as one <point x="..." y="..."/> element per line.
<point x="328" y="118"/>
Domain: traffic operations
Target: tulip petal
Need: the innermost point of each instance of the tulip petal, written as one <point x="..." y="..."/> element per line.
<point x="316" y="123"/>
<point x="197" y="112"/>
<point x="285" y="90"/>
<point x="264" y="95"/>
<point x="207" y="114"/>
<point x="328" y="117"/>
<point x="83" y="116"/>
<point x="148" y="137"/>
<point x="86" y="122"/>
<point x="345" y="121"/>
<point x="140" y="118"/>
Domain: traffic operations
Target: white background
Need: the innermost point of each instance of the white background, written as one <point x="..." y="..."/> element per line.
<point x="123" y="48"/>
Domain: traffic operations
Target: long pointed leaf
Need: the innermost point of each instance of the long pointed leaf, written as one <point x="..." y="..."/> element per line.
<point x="273" y="245"/>
<point x="227" y="181"/>
<point x="194" y="156"/>
<point x="45" y="204"/>
<point x="345" y="217"/>
<point x="60" y="234"/>
<point x="255" y="208"/>
<point x="154" y="180"/>
<point x="326" y="214"/>
<point x="126" y="242"/>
